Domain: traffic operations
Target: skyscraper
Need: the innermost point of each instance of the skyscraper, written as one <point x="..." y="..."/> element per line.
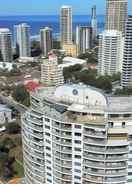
<point x="110" y="56"/>
<point x="83" y="38"/>
<point x="94" y="23"/>
<point x="51" y="73"/>
<point x="46" y="40"/>
<point x="66" y="25"/>
<point x="23" y="40"/>
<point x="127" y="58"/>
<point x="116" y="14"/>
<point x="6" y="45"/>
<point x="75" y="134"/>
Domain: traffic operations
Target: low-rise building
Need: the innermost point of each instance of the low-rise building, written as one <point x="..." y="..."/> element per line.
<point x="51" y="72"/>
<point x="5" y="114"/>
<point x="70" y="49"/>
<point x="70" y="61"/>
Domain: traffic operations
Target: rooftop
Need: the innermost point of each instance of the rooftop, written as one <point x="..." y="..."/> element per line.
<point x="84" y="98"/>
<point x="4" y="30"/>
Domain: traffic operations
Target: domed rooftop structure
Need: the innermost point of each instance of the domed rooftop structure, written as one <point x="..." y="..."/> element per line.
<point x="80" y="94"/>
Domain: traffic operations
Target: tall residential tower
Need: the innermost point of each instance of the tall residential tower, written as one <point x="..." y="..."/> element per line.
<point x="116" y="14"/>
<point x="66" y="25"/>
<point x="127" y="59"/>
<point x="6" y="45"/>
<point x="83" y="38"/>
<point x="110" y="56"/>
<point x="23" y="40"/>
<point x="46" y="40"/>
<point x="73" y="134"/>
<point x="94" y="23"/>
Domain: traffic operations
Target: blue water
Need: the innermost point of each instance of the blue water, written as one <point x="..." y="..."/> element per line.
<point x="37" y="22"/>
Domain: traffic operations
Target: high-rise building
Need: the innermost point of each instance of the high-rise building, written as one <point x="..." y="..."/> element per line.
<point x="110" y="56"/>
<point x="51" y="73"/>
<point x="75" y="134"/>
<point x="6" y="45"/>
<point x="23" y="40"/>
<point x="83" y="38"/>
<point x="116" y="14"/>
<point x="46" y="40"/>
<point x="66" y="25"/>
<point x="127" y="58"/>
<point x="94" y="23"/>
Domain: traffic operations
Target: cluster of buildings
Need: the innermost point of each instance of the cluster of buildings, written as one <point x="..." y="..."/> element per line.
<point x="83" y="42"/>
<point x="115" y="43"/>
<point x="73" y="133"/>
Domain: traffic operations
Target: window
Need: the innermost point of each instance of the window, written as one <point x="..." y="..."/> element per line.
<point x="77" y="142"/>
<point x="78" y="134"/>
<point x="77" y="164"/>
<point x="48" y="148"/>
<point x="77" y="156"/>
<point x="111" y="124"/>
<point x="78" y="149"/>
<point x="46" y="119"/>
<point x="48" y="134"/>
<point x="77" y="171"/>
<point x="78" y="126"/>
<point x="48" y="155"/>
<point x="78" y="178"/>
<point x="47" y="127"/>
<point x="123" y="124"/>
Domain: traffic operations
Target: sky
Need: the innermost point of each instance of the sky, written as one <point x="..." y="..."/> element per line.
<point x="50" y="7"/>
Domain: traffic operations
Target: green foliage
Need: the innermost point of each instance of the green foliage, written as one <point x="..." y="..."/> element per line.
<point x="56" y="44"/>
<point x="91" y="57"/>
<point x="13" y="128"/>
<point x="124" y="92"/>
<point x="70" y="71"/>
<point x="21" y="95"/>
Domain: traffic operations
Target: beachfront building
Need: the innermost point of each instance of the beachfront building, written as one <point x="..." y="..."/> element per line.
<point x="94" y="23"/>
<point x="23" y="40"/>
<point x="66" y="25"/>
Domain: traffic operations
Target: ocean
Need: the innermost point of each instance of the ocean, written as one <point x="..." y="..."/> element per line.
<point x="39" y="21"/>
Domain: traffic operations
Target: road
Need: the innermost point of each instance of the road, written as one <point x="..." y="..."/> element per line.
<point x="9" y="101"/>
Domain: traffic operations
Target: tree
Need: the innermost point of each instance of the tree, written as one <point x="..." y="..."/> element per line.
<point x="124" y="92"/>
<point x="13" y="128"/>
<point x="21" y="95"/>
<point x="68" y="72"/>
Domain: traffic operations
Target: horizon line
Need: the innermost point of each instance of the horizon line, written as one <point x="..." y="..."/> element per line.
<point x="45" y="15"/>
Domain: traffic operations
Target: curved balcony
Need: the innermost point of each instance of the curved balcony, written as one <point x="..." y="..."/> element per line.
<point x="100" y="180"/>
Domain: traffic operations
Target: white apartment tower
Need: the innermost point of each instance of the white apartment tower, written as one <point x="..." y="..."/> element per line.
<point x="23" y="40"/>
<point x="51" y="73"/>
<point x="83" y="38"/>
<point x="127" y="58"/>
<point x="6" y="45"/>
<point x="46" y="40"/>
<point x="73" y="134"/>
<point x="110" y="56"/>
<point x="116" y="15"/>
<point x="66" y="25"/>
<point x="94" y="23"/>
